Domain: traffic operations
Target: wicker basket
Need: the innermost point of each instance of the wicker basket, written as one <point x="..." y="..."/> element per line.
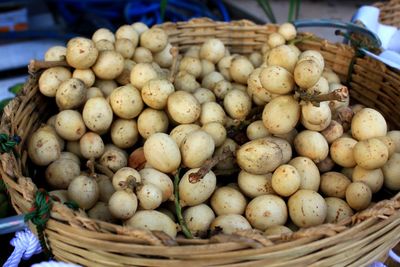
<point x="390" y="11"/>
<point x="357" y="241"/>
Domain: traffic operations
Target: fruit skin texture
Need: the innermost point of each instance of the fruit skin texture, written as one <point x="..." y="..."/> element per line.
<point x="123" y="204"/>
<point x="97" y="115"/>
<point x="259" y="156"/>
<point x="341" y="151"/>
<point x="196" y="148"/>
<point x="81" y="53"/>
<point x="192" y="194"/>
<point x="266" y="211"/>
<point x="311" y="144"/>
<point x="152" y="220"/>
<point x="338" y="209"/>
<point x="198" y="218"/>
<point x="183" y="107"/>
<point x="161" y="151"/>
<point x="277" y="80"/>
<point x="61" y="172"/>
<point x="286" y="180"/>
<point x="230" y="223"/>
<point x="43" y="147"/>
<point x="228" y="200"/>
<point x="253" y="185"/>
<point x="368" y="123"/>
<point x="309" y="173"/>
<point x="106" y="59"/>
<point x="334" y="184"/>
<point x="126" y="102"/>
<point x="307" y="73"/>
<point x="371" y="153"/>
<point x="212" y="50"/>
<point x="358" y="195"/>
<point x="84" y="191"/>
<point x="307" y="208"/>
<point x="281" y="114"/>
<point x="391" y="171"/>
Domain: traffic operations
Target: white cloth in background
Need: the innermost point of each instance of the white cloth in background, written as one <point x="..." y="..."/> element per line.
<point x="389" y="35"/>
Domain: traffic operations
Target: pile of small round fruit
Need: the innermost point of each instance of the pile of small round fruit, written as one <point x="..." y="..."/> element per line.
<point x="265" y="141"/>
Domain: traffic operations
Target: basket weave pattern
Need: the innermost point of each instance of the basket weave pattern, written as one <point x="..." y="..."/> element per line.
<point x="357" y="241"/>
<point x="390" y="11"/>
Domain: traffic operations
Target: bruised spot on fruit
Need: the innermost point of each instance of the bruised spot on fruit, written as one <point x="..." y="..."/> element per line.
<point x="39" y="143"/>
<point x="111" y="157"/>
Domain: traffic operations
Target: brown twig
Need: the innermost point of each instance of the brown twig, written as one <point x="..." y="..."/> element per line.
<point x="36" y="65"/>
<point x="344" y="116"/>
<point x="129" y="183"/>
<point x="174" y="52"/>
<point x="226" y="172"/>
<point x="104" y="170"/>
<point x="238" y="132"/>
<point x="340" y="94"/>
<point x="208" y="165"/>
<point x="90" y="164"/>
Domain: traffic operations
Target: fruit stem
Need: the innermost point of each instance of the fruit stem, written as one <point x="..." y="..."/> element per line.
<point x="208" y="165"/>
<point x="226" y="172"/>
<point x="174" y="67"/>
<point x="129" y="184"/>
<point x="237" y="132"/>
<point x="36" y="65"/>
<point x="178" y="208"/>
<point x="340" y="94"/>
<point x="344" y="117"/>
<point x="90" y="165"/>
<point x="104" y="170"/>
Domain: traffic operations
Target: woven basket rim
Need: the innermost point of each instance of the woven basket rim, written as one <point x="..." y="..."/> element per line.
<point x="246" y="244"/>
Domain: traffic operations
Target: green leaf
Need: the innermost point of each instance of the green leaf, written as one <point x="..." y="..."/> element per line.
<point x="292" y="7"/>
<point x="163" y="7"/>
<point x="267" y="10"/>
<point x="4" y="103"/>
<point x="15" y="89"/>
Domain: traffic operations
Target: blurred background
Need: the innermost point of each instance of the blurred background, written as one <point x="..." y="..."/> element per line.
<point x="29" y="28"/>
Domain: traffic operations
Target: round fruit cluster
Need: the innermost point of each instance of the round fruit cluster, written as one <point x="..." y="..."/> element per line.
<point x="253" y="141"/>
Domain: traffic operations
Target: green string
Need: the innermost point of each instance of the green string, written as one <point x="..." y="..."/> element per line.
<point x="7" y="143"/>
<point x="178" y="207"/>
<point x="72" y="205"/>
<point x="39" y="215"/>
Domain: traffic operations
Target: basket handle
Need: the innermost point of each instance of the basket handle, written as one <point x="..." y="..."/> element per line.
<point x="351" y="27"/>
